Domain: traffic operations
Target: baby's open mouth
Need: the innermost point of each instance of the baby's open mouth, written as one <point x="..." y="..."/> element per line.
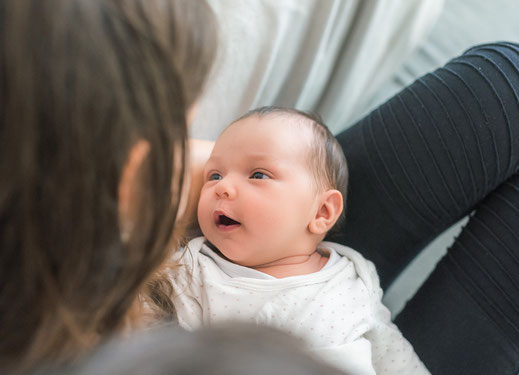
<point x="224" y="222"/>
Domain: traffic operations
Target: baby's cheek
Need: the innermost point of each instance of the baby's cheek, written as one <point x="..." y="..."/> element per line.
<point x="272" y="228"/>
<point x="266" y="214"/>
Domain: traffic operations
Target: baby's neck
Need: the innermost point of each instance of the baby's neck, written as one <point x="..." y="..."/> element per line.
<point x="294" y="265"/>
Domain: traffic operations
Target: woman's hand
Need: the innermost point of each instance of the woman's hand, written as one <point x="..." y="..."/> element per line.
<point x="198" y="154"/>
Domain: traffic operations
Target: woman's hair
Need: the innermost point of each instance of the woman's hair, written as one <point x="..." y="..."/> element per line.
<point x="81" y="81"/>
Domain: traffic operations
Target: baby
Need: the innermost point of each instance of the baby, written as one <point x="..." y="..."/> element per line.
<point x="274" y="187"/>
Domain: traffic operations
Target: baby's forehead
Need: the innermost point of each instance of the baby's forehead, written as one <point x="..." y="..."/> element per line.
<point x="294" y="130"/>
<point x="291" y="126"/>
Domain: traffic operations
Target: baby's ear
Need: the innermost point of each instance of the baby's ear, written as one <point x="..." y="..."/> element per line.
<point x="329" y="210"/>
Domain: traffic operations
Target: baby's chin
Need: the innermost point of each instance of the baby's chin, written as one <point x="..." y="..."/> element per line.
<point x="236" y="256"/>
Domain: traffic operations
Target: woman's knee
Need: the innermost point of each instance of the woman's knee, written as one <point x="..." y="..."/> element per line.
<point x="494" y="49"/>
<point x="486" y="81"/>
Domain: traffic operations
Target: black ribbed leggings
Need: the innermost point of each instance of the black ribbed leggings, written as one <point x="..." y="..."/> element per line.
<point x="446" y="147"/>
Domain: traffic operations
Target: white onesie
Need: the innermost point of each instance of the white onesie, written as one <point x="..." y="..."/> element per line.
<point x="338" y="310"/>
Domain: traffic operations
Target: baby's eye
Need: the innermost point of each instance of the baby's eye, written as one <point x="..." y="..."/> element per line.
<point x="259" y="176"/>
<point x="215" y="176"/>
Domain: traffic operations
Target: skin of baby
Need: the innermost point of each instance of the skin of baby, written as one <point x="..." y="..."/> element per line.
<point x="259" y="204"/>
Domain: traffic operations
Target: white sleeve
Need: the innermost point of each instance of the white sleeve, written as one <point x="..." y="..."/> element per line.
<point x="186" y="293"/>
<point x="352" y="357"/>
<point x="391" y="352"/>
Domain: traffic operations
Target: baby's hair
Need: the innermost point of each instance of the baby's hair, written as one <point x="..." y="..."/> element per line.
<point x="325" y="156"/>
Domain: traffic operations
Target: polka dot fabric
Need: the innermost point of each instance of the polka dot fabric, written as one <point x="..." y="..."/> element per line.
<point x="337" y="311"/>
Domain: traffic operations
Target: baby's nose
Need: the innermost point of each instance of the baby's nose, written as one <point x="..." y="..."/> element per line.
<point x="225" y="189"/>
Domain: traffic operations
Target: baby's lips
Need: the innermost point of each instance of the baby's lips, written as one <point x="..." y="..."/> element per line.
<point x="218" y="213"/>
<point x="216" y="217"/>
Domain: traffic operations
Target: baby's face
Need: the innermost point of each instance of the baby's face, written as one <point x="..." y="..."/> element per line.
<point x="259" y="196"/>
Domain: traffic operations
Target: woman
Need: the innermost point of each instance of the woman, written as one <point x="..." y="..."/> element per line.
<point x="94" y="99"/>
<point x="93" y="129"/>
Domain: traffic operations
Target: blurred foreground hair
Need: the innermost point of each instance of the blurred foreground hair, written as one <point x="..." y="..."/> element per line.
<point x="80" y="83"/>
<point x="227" y="350"/>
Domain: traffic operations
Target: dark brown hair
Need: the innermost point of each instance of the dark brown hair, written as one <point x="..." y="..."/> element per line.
<point x="325" y="156"/>
<point x="80" y="83"/>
